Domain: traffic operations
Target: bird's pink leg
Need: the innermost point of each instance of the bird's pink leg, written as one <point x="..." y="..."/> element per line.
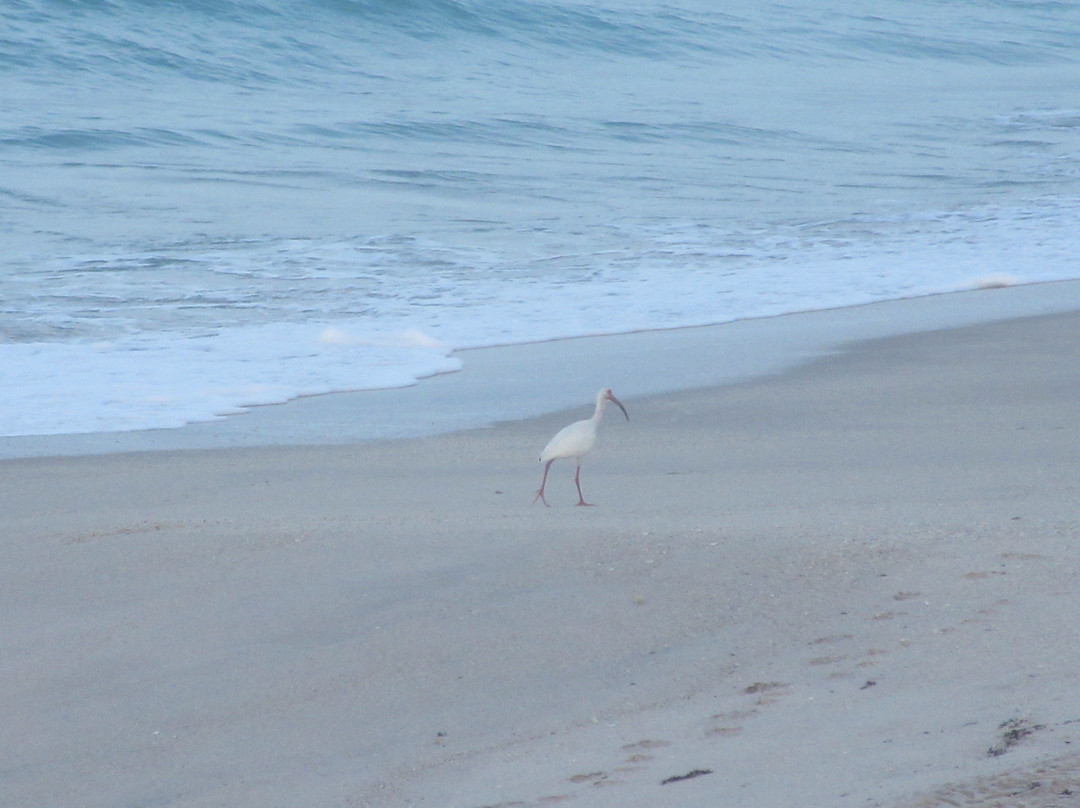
<point x="540" y="493"/>
<point x="577" y="481"/>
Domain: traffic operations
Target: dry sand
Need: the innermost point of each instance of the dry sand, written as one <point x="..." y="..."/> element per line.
<point x="852" y="584"/>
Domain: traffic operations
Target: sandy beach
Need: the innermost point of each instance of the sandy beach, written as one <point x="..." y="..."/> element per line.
<point x="854" y="583"/>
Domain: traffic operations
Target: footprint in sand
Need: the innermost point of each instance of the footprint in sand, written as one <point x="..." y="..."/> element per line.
<point x="646" y="744"/>
<point x="639" y="754"/>
<point x="870" y="658"/>
<point x="591" y="777"/>
<point x="831" y="638"/>
<point x="729" y="723"/>
<point x="985" y="612"/>
<point x="734" y="715"/>
<point x="596" y="779"/>
<point x="723" y="732"/>
<point x="639" y="751"/>
<point x="887" y="615"/>
<point x="767" y="692"/>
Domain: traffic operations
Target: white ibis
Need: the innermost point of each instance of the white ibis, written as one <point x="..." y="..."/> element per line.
<point x="575" y="441"/>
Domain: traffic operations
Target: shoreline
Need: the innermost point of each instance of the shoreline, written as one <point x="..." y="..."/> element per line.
<point x="513" y="382"/>
<point x="839" y="585"/>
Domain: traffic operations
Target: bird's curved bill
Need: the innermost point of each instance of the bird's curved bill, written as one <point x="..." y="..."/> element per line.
<point x="620" y="406"/>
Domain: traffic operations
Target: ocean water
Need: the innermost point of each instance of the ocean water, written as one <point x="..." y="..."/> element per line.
<point x="215" y="204"/>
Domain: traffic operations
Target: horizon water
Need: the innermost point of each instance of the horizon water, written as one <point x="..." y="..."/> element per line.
<point x="211" y="206"/>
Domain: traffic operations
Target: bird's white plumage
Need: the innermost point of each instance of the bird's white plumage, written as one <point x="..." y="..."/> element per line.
<point x="574" y="440"/>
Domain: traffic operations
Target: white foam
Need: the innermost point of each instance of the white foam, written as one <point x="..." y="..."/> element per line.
<point x="161" y="381"/>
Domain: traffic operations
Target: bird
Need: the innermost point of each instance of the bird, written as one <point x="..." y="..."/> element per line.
<point x="575" y="441"/>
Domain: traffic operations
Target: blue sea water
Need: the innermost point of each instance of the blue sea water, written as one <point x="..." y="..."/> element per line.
<point x="213" y="204"/>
